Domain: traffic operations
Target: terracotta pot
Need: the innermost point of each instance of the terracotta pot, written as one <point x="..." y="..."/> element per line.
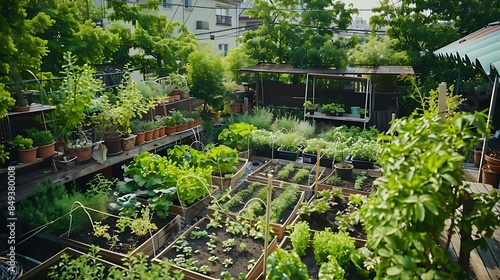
<point x="162" y="131"/>
<point x="46" y="150"/>
<point x="490" y="177"/>
<point x="191" y="124"/>
<point x="171" y="98"/>
<point x="184" y="95"/>
<point x="140" y="138"/>
<point x="181" y="127"/>
<point x="21" y="109"/>
<point x="156" y="133"/>
<point x="477" y="155"/>
<point x="149" y="135"/>
<point x="236" y="108"/>
<point x="177" y="97"/>
<point x="170" y="129"/>
<point x="26" y="155"/>
<point x="493" y="158"/>
<point x="82" y="154"/>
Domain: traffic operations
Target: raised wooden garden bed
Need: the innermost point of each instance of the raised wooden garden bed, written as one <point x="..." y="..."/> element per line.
<point x="191" y="211"/>
<point x="231" y="181"/>
<point x="234" y="210"/>
<point x="41" y="270"/>
<point x="276" y="165"/>
<point x="240" y="258"/>
<point x="167" y="228"/>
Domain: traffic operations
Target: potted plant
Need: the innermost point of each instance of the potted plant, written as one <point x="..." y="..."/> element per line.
<point x="25" y="151"/>
<point x="137" y="127"/>
<point x="169" y="123"/>
<point x="18" y="93"/>
<point x="329" y="109"/>
<point x="149" y="128"/>
<point x="310" y="107"/>
<point x="362" y="112"/>
<point x="77" y="92"/>
<point x="167" y="89"/>
<point x="44" y="140"/>
<point x="343" y="168"/>
<point x="365" y="153"/>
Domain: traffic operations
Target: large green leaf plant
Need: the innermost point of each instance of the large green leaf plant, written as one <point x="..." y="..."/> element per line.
<point x="419" y="195"/>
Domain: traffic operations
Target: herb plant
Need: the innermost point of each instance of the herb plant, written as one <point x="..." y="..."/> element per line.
<point x="237" y="135"/>
<point x="301" y="175"/>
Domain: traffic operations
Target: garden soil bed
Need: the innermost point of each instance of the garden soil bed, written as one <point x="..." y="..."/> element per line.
<point x="241" y="259"/>
<point x="278" y="227"/>
<point x="366" y="187"/>
<point x="321" y="221"/>
<point x="222" y="181"/>
<point x="128" y="242"/>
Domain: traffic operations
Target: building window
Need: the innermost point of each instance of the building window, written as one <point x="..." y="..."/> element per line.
<point x="167" y="4"/>
<point x="222" y="16"/>
<point x="223" y="48"/>
<point x="202" y="24"/>
<point x="188" y="4"/>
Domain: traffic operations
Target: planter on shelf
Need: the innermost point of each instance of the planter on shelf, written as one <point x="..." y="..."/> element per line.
<point x="181" y="127"/>
<point x="141" y="137"/>
<point x="156" y="133"/>
<point x="161" y="131"/>
<point x="170" y="129"/>
<point x="216" y="115"/>
<point x="184" y="95"/>
<point x="171" y="98"/>
<point x="65" y="162"/>
<point x="236" y="108"/>
<point x="490" y="177"/>
<point x="113" y="141"/>
<point x="26" y="155"/>
<point x="240" y="260"/>
<point x="148" y="136"/>
<point x="171" y="226"/>
<point x="81" y="149"/>
<point x="21" y="108"/>
<point x="231" y="181"/>
<point x="177" y="97"/>
<point x="46" y="150"/>
<point x="128" y="142"/>
<point x="344" y="170"/>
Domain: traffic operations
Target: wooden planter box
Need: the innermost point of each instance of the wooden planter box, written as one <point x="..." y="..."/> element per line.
<point x="226" y="182"/>
<point x="41" y="270"/>
<point x="358" y="241"/>
<point x="255" y="176"/>
<point x="191" y="211"/>
<point x="345" y="191"/>
<point x="254" y="273"/>
<point x="278" y="229"/>
<point x="153" y="243"/>
<point x="245" y="154"/>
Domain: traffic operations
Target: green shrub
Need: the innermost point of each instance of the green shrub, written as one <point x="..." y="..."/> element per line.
<point x="40" y="137"/>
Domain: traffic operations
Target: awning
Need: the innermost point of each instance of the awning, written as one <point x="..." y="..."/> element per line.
<point x="288" y="69"/>
<point x="480" y="49"/>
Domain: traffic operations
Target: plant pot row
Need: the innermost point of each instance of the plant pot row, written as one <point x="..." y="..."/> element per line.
<point x="30" y="155"/>
<point x="150" y="135"/>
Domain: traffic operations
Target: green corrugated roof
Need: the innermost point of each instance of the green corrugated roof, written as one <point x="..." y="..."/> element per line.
<point x="480" y="49"/>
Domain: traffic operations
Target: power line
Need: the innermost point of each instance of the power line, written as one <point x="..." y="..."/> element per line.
<point x="265" y="9"/>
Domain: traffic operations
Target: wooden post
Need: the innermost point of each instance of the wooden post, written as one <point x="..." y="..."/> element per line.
<point x="442" y="101"/>
<point x="268" y="217"/>
<point x="317" y="168"/>
<point x="245" y="105"/>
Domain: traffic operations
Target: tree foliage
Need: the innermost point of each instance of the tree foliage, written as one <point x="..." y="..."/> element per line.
<point x="163" y="45"/>
<point x="302" y="39"/>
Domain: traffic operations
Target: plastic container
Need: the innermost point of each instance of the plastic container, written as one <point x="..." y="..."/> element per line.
<point x="354" y="110"/>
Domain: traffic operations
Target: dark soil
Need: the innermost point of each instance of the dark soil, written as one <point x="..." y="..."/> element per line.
<point x="127" y="240"/>
<point x="321" y="221"/>
<point x="366" y="186"/>
<point x="240" y="258"/>
<point x="313" y="267"/>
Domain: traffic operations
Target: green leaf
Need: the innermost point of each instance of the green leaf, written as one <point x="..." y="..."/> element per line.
<point x="420" y="211"/>
<point x="395" y="270"/>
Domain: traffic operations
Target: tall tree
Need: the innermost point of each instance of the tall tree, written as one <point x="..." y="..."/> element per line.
<point x="20" y="45"/>
<point x="73" y="31"/>
<point x="300" y="38"/>
<point x="164" y="46"/>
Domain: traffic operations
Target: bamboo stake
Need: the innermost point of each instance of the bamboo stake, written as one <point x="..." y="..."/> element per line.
<point x="268" y="217"/>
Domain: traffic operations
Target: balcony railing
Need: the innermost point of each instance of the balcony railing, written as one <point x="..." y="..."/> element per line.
<point x="223" y="20"/>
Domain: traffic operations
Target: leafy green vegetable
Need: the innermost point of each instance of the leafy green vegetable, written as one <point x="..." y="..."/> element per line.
<point x="300" y="237"/>
<point x="282" y="265"/>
